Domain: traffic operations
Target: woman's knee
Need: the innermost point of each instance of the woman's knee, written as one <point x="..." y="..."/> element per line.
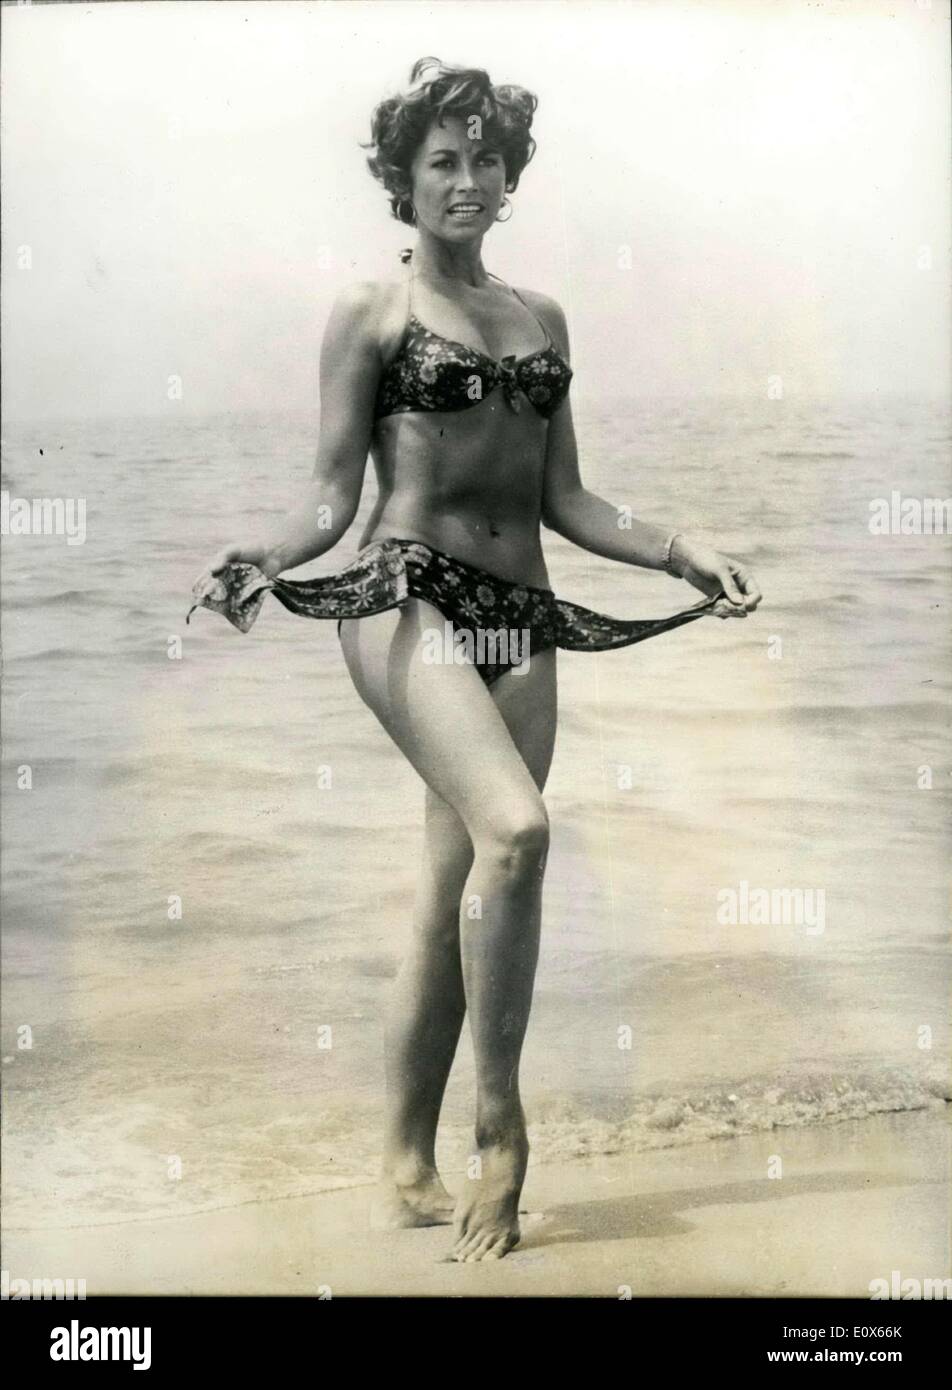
<point x="517" y="842"/>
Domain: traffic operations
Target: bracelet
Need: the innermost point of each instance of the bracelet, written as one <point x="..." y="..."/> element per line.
<point x="666" y="561"/>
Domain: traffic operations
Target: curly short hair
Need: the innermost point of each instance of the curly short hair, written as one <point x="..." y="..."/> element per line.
<point x="399" y="125"/>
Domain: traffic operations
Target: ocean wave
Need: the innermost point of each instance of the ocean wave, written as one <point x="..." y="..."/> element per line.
<point x="852" y="716"/>
<point x="820" y="604"/>
<point x="298" y="1156"/>
<point x="63" y="598"/>
<point x="809" y="454"/>
<point x="218" y="848"/>
<point x="56" y="655"/>
<point x="754" y="1106"/>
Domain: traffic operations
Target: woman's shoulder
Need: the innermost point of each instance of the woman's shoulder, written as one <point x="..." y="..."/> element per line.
<point x="370" y="309"/>
<point x="368" y="299"/>
<point x="550" y="312"/>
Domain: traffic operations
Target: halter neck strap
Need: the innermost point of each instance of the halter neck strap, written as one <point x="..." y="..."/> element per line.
<point x="548" y="336"/>
<point x="406" y="256"/>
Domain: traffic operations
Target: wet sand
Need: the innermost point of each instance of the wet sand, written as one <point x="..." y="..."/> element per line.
<point x="854" y="1202"/>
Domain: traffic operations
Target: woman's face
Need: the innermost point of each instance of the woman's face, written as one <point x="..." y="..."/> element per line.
<point x="458" y="183"/>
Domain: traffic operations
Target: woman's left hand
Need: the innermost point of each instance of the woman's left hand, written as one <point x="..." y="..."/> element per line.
<point x="712" y="572"/>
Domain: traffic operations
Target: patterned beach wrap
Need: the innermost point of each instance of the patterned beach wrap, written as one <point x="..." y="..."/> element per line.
<point x="374" y="581"/>
<point x="387" y="572"/>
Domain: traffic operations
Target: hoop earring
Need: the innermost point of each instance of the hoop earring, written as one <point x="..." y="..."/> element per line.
<point x="503" y="204"/>
<point x="406" y="205"/>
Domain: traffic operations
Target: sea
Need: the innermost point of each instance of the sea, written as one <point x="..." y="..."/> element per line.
<point x="209" y="846"/>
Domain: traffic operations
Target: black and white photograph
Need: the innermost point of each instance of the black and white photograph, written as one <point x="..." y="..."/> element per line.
<point x="476" y="514"/>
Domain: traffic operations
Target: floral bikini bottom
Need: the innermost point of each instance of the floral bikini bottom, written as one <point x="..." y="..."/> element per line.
<point x="494" y="623"/>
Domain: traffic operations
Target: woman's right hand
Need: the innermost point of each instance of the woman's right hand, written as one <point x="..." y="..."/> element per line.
<point x="257" y="555"/>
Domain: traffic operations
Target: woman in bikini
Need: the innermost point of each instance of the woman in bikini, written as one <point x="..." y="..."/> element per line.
<point x="457" y="386"/>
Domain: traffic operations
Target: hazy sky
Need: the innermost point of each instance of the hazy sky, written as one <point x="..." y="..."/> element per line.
<point x="184" y="193"/>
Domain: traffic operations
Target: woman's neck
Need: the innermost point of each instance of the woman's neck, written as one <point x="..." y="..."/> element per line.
<point x="446" y="261"/>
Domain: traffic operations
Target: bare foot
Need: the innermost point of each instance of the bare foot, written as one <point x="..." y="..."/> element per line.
<point x="487" y="1212"/>
<point x="424" y="1201"/>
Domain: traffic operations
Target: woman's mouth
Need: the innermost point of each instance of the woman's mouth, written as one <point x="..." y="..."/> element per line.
<point x="465" y="212"/>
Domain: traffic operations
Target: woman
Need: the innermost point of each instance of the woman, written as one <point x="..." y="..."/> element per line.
<point x="443" y="378"/>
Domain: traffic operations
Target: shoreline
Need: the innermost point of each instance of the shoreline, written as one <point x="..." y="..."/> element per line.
<point x="666" y="1122"/>
<point x="857" y="1199"/>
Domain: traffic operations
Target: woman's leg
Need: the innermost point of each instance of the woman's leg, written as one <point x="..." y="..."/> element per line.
<point x="427" y="1003"/>
<point x="499" y="954"/>
<point x="456" y="735"/>
<point x="424" y="1019"/>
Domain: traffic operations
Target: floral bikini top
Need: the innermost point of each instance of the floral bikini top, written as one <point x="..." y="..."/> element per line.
<point x="432" y="373"/>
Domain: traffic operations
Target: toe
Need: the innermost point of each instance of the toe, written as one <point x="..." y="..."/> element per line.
<point x="500" y="1248"/>
<point x="466" y="1247"/>
<point x="480" y="1247"/>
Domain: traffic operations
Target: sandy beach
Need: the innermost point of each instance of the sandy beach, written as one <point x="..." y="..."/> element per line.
<point x="856" y="1200"/>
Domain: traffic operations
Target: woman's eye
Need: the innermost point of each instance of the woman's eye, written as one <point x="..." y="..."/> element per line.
<point x="447" y="163"/>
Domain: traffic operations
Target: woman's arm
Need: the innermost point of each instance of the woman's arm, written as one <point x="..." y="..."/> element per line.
<point x="349" y="373"/>
<point x="589" y="521"/>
